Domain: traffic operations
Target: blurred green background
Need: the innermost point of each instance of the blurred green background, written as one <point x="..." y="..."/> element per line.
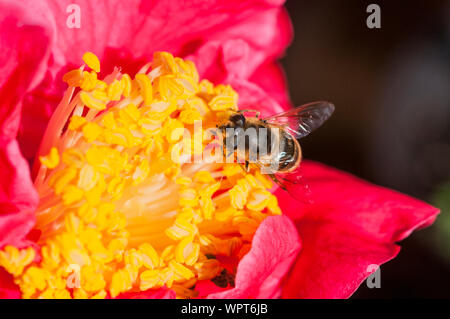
<point x="391" y="88"/>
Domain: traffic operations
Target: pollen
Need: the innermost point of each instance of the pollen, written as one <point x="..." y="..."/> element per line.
<point x="73" y="78"/>
<point x="52" y="159"/>
<point x="189" y="116"/>
<point x="90" y="102"/>
<point x="92" y="61"/>
<point x="124" y="207"/>
<point x="146" y="88"/>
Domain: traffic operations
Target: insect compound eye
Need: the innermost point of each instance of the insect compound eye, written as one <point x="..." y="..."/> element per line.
<point x="238" y="120"/>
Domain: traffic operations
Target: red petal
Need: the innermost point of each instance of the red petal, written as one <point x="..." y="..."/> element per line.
<point x="24" y="49"/>
<point x="252" y="97"/>
<point x="238" y="52"/>
<point x="161" y="293"/>
<point x="18" y="198"/>
<point x="350" y="225"/>
<point x="135" y="28"/>
<point x="260" y="272"/>
<point x="271" y="79"/>
<point x="8" y="290"/>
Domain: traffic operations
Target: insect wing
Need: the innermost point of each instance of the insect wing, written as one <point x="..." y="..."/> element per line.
<point x="302" y="120"/>
<point x="295" y="184"/>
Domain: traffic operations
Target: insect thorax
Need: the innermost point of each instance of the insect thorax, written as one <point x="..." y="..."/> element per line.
<point x="259" y="143"/>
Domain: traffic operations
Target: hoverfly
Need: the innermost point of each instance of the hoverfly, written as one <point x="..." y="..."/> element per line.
<point x="273" y="146"/>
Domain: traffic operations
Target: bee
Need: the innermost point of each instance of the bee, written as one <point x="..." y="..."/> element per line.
<point x="271" y="143"/>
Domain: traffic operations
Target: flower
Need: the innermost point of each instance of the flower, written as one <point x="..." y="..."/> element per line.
<point x="99" y="219"/>
<point x="121" y="208"/>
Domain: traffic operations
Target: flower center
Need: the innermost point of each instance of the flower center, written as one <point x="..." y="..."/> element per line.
<point x="117" y="213"/>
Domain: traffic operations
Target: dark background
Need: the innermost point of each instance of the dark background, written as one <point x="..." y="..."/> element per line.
<point x="392" y="120"/>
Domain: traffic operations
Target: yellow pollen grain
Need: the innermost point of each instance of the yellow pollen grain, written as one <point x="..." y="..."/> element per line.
<point x="181" y="270"/>
<point x="220" y="103"/>
<point x="189" y="116"/>
<point x="115" y="90"/>
<point x="238" y="197"/>
<point x="169" y="87"/>
<point x="71" y="195"/>
<point x="92" y="61"/>
<point x="166" y="61"/>
<point x="73" y="78"/>
<point x="184" y="180"/>
<point x="258" y="199"/>
<point x="76" y="122"/>
<point x="187" y="251"/>
<point x="180" y="229"/>
<point x="150" y="257"/>
<point x="150" y="279"/>
<point x="52" y="159"/>
<point x="91" y="103"/>
<point x="203" y="177"/>
<point x="126" y="84"/>
<point x="62" y="178"/>
<point x="188" y="197"/>
<point x="173" y="130"/>
<point x="88" y="177"/>
<point x="14" y="261"/>
<point x="146" y="88"/>
<point x="91" y="131"/>
<point x="102" y="96"/>
<point x="89" y="81"/>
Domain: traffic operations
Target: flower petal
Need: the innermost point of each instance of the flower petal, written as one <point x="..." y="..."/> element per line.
<point x="8" y="290"/>
<point x="252" y="97"/>
<point x="24" y="51"/>
<point x="271" y="79"/>
<point x="138" y="28"/>
<point x="18" y="198"/>
<point x="24" y="48"/>
<point x="161" y="293"/>
<point x="350" y="225"/>
<point x="260" y="272"/>
<point x="244" y="47"/>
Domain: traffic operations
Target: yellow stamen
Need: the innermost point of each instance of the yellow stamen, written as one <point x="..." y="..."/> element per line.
<point x="146" y="88"/>
<point x="52" y="159"/>
<point x="90" y="102"/>
<point x="76" y="122"/>
<point x="92" y="61"/>
<point x="126" y="84"/>
<point x="73" y="78"/>
<point x="115" y="90"/>
<point x="14" y="261"/>
<point x="89" y="81"/>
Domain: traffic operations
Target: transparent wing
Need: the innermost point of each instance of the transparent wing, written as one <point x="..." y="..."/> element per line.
<point x="295" y="184"/>
<point x="292" y="182"/>
<point x="302" y="120"/>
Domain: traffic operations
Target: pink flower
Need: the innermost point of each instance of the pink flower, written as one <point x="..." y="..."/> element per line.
<point x="317" y="250"/>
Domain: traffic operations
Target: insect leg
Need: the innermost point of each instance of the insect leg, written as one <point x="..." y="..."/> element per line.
<point x="245" y="166"/>
<point x="242" y="166"/>
<point x="277" y="181"/>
